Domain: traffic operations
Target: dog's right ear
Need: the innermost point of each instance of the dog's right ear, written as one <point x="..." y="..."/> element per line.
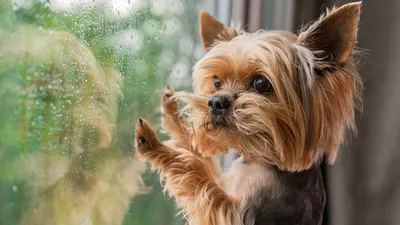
<point x="211" y="30"/>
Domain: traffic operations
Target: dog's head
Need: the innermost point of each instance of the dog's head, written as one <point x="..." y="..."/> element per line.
<point x="277" y="97"/>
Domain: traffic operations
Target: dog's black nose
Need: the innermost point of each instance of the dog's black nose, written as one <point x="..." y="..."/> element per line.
<point x="218" y="104"/>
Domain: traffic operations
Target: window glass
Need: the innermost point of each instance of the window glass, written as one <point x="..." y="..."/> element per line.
<point x="74" y="77"/>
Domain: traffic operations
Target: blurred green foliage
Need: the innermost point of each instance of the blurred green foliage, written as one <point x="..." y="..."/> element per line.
<point x="71" y="87"/>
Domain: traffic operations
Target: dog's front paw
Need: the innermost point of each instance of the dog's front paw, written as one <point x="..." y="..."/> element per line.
<point x="168" y="93"/>
<point x="169" y="104"/>
<point x="145" y="138"/>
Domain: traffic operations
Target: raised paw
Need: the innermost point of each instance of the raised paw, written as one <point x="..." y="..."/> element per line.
<point x="168" y="92"/>
<point x="145" y="138"/>
<point x="168" y="104"/>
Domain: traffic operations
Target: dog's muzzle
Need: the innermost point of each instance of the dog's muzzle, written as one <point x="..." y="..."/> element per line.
<point x="219" y="108"/>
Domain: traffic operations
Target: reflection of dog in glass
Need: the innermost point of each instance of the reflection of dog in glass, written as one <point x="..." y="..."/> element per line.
<point x="282" y="101"/>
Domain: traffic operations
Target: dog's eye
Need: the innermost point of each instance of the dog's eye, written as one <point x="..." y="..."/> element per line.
<point x="262" y="85"/>
<point x="217" y="82"/>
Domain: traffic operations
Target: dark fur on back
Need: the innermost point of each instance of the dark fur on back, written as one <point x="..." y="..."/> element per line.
<point x="300" y="201"/>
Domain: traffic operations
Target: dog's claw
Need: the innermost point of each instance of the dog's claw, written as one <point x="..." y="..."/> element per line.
<point x="168" y="92"/>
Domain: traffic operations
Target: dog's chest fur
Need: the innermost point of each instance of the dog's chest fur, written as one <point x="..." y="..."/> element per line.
<point x="269" y="196"/>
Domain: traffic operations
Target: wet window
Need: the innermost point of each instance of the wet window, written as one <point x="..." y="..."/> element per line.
<point x="74" y="77"/>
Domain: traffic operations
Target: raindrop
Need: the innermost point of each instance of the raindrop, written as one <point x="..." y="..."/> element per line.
<point x="15" y="188"/>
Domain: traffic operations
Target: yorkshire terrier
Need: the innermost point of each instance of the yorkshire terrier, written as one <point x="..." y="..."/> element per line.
<point x="282" y="101"/>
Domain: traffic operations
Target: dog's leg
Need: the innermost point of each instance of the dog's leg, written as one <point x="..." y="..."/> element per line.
<point x="189" y="179"/>
<point x="173" y="123"/>
<point x="181" y="137"/>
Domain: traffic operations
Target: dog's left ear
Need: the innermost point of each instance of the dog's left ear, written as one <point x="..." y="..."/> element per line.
<point x="211" y="30"/>
<point x="334" y="36"/>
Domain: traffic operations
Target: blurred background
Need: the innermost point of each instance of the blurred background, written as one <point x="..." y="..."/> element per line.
<point x="76" y="74"/>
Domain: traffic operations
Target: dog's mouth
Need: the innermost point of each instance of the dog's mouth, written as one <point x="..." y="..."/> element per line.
<point x="219" y="120"/>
